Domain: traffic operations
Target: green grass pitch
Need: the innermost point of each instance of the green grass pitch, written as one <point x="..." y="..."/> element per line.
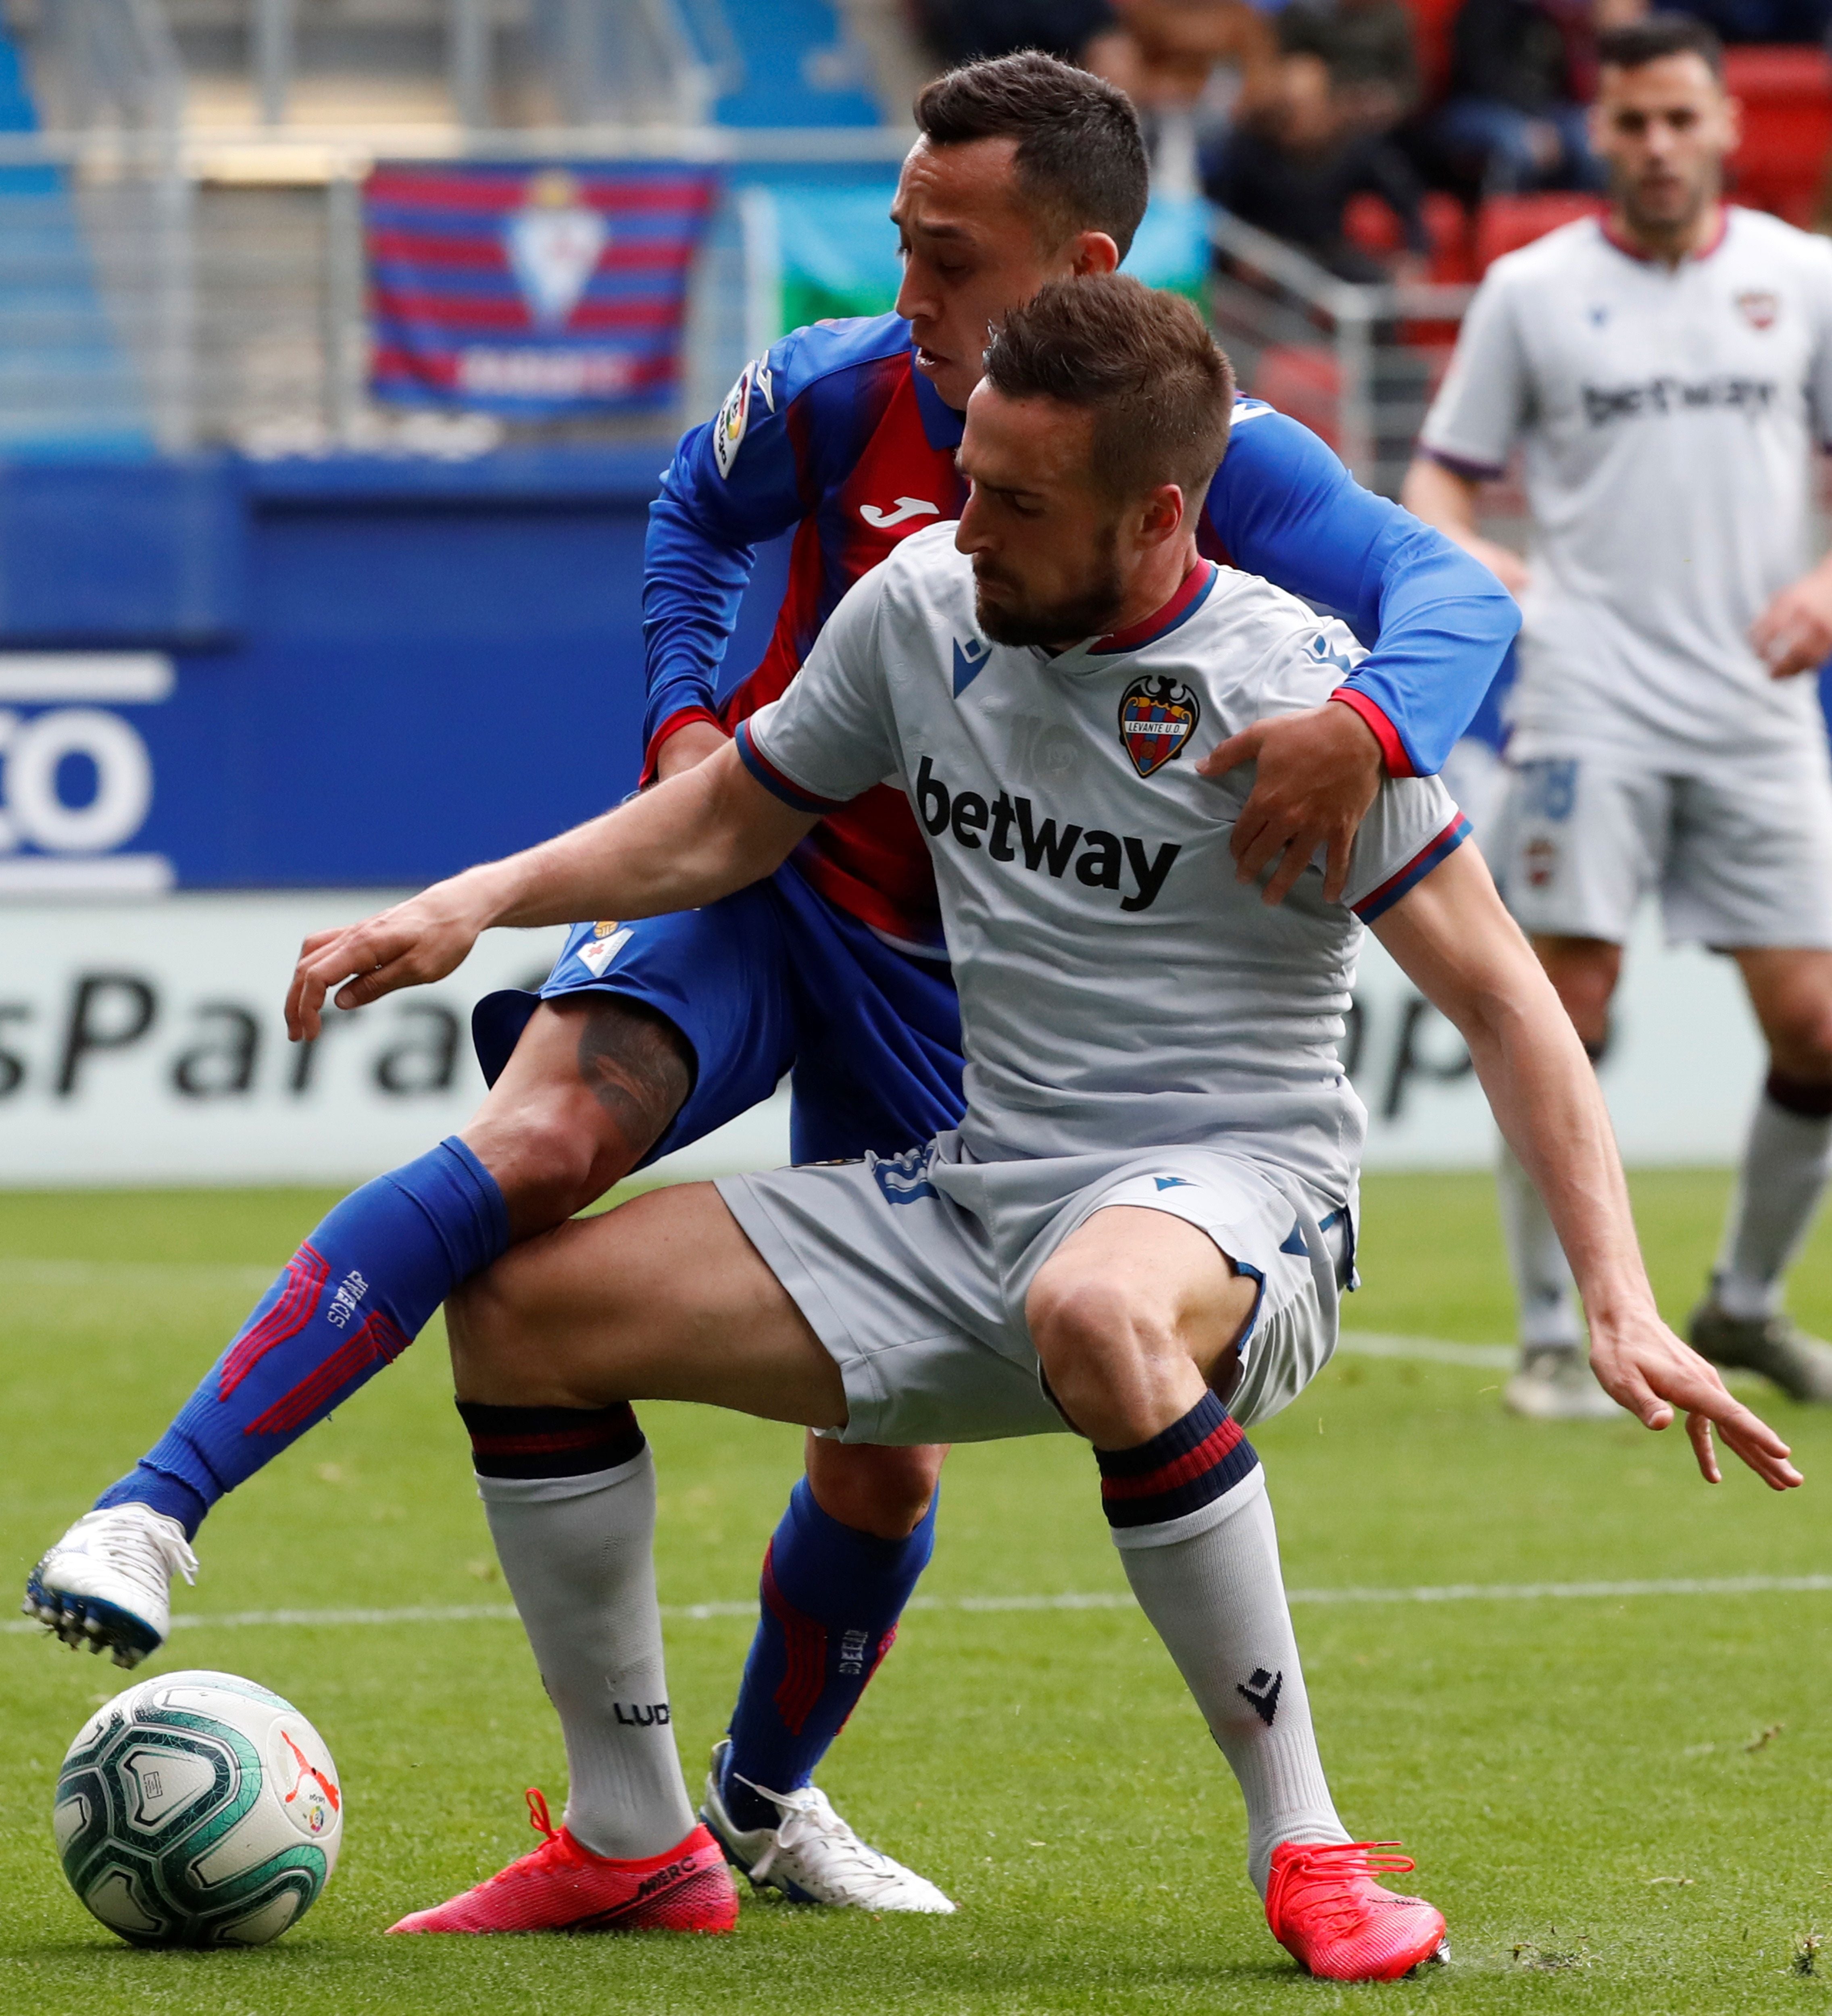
<point x="1621" y="1804"/>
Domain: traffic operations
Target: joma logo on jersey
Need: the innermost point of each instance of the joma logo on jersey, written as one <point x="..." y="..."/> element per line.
<point x="1043" y="847"/>
<point x="1157" y="716"/>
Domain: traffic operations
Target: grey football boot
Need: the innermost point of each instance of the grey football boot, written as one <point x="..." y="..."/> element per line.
<point x="1774" y="1345"/>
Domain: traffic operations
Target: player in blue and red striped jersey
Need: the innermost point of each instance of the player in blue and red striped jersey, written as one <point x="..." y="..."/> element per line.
<point x="650" y="1034"/>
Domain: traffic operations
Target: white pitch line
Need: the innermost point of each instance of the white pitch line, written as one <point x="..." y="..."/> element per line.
<point x="1462" y="1591"/>
<point x="1436" y="1351"/>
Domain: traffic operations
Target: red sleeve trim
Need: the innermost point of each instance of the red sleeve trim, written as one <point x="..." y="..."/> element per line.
<point x="1392" y="750"/>
<point x="672" y="725"/>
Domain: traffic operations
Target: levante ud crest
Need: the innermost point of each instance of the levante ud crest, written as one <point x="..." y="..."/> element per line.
<point x="1157" y="716"/>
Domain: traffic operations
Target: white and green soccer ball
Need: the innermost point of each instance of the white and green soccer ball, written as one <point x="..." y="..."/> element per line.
<point x="198" y="1809"/>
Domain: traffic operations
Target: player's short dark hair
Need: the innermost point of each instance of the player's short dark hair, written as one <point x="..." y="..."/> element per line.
<point x="1081" y="158"/>
<point x="1143" y="361"/>
<point x="1659" y="36"/>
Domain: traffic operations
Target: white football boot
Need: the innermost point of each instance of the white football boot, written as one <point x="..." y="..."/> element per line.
<point x="1555" y="1383"/>
<point x="811" y="1856"/>
<point x="107" y="1583"/>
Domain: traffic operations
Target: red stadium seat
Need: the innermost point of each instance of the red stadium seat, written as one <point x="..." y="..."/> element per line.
<point x="1302" y="380"/>
<point x="1505" y="223"/>
<point x="1431" y="25"/>
<point x="1787" y="94"/>
<point x="1370" y="224"/>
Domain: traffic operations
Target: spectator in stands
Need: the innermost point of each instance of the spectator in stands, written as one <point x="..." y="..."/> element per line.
<point x="1191" y="67"/>
<point x="1187" y="65"/>
<point x="963" y="30"/>
<point x="1522" y="72"/>
<point x="1370" y="48"/>
<point x="1760" y="21"/>
<point x="1290" y="166"/>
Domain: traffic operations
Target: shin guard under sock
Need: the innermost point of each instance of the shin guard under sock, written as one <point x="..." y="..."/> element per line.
<point x="832" y="1596"/>
<point x="1779" y="1187"/>
<point x="1189" y="1517"/>
<point x="351" y="1300"/>
<point x="1544" y="1291"/>
<point x="570" y="1494"/>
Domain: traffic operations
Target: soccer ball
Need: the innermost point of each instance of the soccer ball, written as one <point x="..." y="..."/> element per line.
<point x="198" y="1809"/>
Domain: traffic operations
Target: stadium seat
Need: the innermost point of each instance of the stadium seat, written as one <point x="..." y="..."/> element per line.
<point x="1305" y="380"/>
<point x="1371" y="224"/>
<point x="1431" y="27"/>
<point x="1787" y="94"/>
<point x="799" y="67"/>
<point x="66" y="388"/>
<point x="1505" y="223"/>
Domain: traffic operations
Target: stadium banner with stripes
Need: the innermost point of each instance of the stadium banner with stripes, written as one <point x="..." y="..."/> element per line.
<point x="531" y="290"/>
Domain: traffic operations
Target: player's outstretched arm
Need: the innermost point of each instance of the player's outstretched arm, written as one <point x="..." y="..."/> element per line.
<point x="710" y="830"/>
<point x="1467" y="956"/>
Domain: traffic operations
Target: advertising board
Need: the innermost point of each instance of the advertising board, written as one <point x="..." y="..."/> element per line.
<point x="143" y="1043"/>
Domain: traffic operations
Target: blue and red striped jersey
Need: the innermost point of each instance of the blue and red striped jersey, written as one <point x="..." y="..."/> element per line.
<point x="835" y="434"/>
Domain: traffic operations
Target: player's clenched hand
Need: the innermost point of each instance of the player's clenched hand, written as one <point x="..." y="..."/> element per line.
<point x="1644" y="1367"/>
<point x="1794" y="634"/>
<point x="1318" y="773"/>
<point x="416" y="941"/>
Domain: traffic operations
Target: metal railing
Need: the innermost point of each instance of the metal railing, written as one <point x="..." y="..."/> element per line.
<point x="144" y="289"/>
<point x="150" y="298"/>
<point x="1357" y="364"/>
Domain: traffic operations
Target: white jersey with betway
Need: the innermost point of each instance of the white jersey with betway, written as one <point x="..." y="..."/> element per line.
<point x="1119" y="988"/>
<point x="1668" y="417"/>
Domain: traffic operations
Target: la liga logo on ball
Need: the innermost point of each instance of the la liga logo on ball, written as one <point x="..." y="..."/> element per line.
<point x="1157" y="716"/>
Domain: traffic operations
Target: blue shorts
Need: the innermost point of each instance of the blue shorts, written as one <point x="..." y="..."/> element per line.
<point x="773" y="980"/>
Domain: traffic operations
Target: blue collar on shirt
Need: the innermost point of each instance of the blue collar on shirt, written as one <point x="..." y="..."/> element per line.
<point x="941" y="425"/>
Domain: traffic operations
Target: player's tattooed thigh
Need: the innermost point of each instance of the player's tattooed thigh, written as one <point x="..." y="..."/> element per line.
<point x="638" y="1066"/>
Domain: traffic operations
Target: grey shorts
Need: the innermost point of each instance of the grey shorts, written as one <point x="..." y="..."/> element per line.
<point x="912" y="1272"/>
<point x="1739" y="856"/>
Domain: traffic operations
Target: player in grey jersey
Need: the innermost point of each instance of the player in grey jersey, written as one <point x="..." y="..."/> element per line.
<point x="1140" y="1230"/>
<point x="1669" y="372"/>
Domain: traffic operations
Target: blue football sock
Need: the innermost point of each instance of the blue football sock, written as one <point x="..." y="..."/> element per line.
<point x="832" y="1596"/>
<point x="351" y="1300"/>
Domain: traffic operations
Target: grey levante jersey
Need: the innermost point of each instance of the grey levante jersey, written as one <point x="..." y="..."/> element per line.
<point x="1668" y="417"/>
<point x="1119" y="988"/>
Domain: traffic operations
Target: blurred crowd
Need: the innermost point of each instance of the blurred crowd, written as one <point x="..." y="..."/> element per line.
<point x="1284" y="111"/>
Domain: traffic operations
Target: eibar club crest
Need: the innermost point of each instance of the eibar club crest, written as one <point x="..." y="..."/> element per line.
<point x="1759" y="307"/>
<point x="554" y="243"/>
<point x="1157" y="716"/>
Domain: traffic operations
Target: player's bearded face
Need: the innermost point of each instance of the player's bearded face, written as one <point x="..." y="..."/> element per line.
<point x="1664" y="128"/>
<point x="1046" y="608"/>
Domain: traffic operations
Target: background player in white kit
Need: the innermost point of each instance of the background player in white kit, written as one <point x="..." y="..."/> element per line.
<point x="1142" y="1226"/>
<point x="1669" y="370"/>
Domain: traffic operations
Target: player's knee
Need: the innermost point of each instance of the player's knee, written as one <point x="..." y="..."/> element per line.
<point x="881" y="1491"/>
<point x="545" y="1154"/>
<point x="489" y="1322"/>
<point x="1095" y="1341"/>
<point x="1800" y="1044"/>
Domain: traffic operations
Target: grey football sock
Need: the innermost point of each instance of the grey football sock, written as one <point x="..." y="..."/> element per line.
<point x="1543" y="1287"/>
<point x="578" y="1554"/>
<point x="1786" y="1161"/>
<point x="1210" y="1584"/>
